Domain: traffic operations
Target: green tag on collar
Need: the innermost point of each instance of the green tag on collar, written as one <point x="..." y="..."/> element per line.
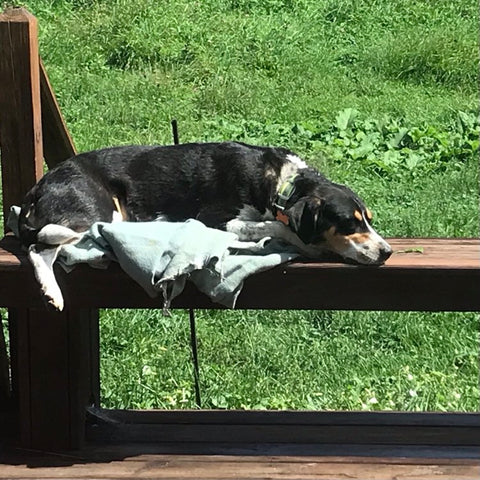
<point x="285" y="192"/>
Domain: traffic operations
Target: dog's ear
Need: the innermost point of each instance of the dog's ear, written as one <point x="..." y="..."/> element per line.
<point x="304" y="217"/>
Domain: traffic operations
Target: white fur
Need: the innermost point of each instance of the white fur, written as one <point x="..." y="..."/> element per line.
<point x="53" y="234"/>
<point x="297" y="161"/>
<point x="254" y="231"/>
<point x="368" y="252"/>
<point x="249" y="213"/>
<point x="289" y="169"/>
<point x="42" y="261"/>
<point x="117" y="217"/>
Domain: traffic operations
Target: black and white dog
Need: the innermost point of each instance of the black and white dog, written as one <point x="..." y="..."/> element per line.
<point x="252" y="191"/>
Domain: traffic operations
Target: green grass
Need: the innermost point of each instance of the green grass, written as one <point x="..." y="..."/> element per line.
<point x="298" y="360"/>
<point x="381" y="95"/>
<point x="128" y="67"/>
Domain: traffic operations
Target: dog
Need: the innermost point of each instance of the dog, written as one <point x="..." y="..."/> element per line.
<point x="252" y="191"/>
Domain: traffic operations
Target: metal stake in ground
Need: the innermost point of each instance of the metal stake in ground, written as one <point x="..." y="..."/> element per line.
<point x="193" y="328"/>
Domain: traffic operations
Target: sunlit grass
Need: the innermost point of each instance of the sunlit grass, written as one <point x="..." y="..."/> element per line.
<point x="255" y="69"/>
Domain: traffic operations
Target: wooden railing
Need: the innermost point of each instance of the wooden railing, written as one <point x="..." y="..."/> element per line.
<point x="54" y="357"/>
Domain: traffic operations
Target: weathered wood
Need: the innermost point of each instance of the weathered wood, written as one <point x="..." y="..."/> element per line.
<point x="56" y="375"/>
<point x="57" y="142"/>
<point x="240" y="467"/>
<point x="20" y="366"/>
<point x="20" y="140"/>
<point x="54" y="356"/>
<point x="289" y="417"/>
<point x="293" y="427"/>
<point x="4" y="371"/>
<point x="20" y="110"/>
<point x="444" y="277"/>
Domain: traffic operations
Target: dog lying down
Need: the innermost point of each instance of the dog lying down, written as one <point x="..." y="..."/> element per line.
<point x="254" y="192"/>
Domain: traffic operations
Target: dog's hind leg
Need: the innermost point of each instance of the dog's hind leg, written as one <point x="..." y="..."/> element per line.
<point x="43" y="255"/>
<point x="42" y="259"/>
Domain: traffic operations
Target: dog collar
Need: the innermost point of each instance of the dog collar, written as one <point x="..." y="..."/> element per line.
<point x="285" y="193"/>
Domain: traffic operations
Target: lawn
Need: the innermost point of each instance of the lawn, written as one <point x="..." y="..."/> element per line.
<point x="382" y="96"/>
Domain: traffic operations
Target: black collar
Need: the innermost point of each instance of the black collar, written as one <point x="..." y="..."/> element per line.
<point x="284" y="193"/>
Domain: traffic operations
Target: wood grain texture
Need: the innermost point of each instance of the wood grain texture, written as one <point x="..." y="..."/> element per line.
<point x="445" y="277"/>
<point x="20" y="106"/>
<point x="57" y="142"/>
<point x="289" y="427"/>
<point x="196" y="467"/>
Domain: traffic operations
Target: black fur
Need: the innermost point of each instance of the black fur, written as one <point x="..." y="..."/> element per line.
<point x="211" y="182"/>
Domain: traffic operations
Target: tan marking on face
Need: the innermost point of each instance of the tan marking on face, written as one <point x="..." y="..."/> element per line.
<point x="358" y="215"/>
<point x="339" y="243"/>
<point x="368" y="213"/>
<point x="358" y="237"/>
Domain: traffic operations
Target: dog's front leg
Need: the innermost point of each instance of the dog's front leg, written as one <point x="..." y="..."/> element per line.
<point x="253" y="231"/>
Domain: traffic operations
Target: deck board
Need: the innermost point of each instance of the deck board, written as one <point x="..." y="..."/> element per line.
<point x="422" y="274"/>
<point x="122" y="463"/>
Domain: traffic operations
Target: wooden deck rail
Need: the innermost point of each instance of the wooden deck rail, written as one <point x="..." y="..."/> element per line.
<point x="423" y="274"/>
<point x="54" y="357"/>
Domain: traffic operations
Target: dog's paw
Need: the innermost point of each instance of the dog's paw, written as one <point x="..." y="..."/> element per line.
<point x="53" y="298"/>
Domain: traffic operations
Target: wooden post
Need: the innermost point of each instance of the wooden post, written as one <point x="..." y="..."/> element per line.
<point x="4" y="369"/>
<point x="57" y="142"/>
<point x="20" y="110"/>
<point x="54" y="357"/>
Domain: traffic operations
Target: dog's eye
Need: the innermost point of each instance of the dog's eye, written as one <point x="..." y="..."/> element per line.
<point x="346" y="226"/>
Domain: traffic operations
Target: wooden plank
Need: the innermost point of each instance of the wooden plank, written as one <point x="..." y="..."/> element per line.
<point x="22" y="167"/>
<point x="49" y="380"/>
<point x="449" y="454"/>
<point x="4" y="371"/>
<point x="290" y="427"/>
<point x="83" y="369"/>
<point x="19" y="327"/>
<point x="289" y="417"/>
<point x="295" y="434"/>
<point x="405" y="283"/>
<point x="20" y="110"/>
<point x="241" y="467"/>
<point x="57" y="142"/>
<point x="55" y="375"/>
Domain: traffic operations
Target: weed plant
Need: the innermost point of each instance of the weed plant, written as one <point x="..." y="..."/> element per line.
<point x="382" y="96"/>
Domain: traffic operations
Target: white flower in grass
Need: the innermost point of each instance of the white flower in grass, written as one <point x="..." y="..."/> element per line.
<point x="147" y="370"/>
<point x="412" y="393"/>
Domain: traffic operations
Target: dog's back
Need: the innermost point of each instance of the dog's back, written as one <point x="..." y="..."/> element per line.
<point x="209" y="181"/>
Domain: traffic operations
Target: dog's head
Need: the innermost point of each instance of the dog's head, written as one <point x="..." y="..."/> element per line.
<point x="333" y="218"/>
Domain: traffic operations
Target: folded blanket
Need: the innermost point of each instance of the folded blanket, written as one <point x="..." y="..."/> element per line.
<point x="161" y="256"/>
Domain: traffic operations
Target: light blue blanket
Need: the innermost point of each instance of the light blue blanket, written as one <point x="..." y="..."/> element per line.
<point x="161" y="256"/>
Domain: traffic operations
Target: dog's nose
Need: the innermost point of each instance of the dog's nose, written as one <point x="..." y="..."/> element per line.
<point x="385" y="252"/>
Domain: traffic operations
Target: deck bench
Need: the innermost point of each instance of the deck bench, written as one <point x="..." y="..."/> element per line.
<point x="55" y="361"/>
<point x="423" y="274"/>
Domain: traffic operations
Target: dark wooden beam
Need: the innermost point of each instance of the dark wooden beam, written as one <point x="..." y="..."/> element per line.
<point x="57" y="142"/>
<point x="444" y="277"/>
<point x="20" y="110"/>
<point x="294" y="427"/>
<point x="53" y="356"/>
